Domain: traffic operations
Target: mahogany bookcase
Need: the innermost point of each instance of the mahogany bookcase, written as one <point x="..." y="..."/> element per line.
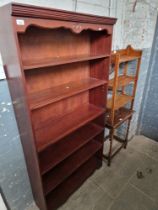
<point x="57" y="66"/>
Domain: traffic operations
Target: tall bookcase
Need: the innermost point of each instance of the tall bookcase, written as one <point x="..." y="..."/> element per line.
<point x="57" y="65"/>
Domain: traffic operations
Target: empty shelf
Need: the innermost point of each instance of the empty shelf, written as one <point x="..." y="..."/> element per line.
<point x="65" y="125"/>
<point x="126" y="58"/>
<point x="62" y="171"/>
<point x="120" y="101"/>
<point x="54" y="94"/>
<point x="46" y="62"/>
<point x="121" y="116"/>
<point x="64" y="190"/>
<point x="122" y="81"/>
<point x="56" y="153"/>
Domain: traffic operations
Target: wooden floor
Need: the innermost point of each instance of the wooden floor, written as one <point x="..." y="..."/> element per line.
<point x="130" y="183"/>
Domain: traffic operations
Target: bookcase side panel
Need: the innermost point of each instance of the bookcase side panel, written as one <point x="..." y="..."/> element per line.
<point x="11" y="61"/>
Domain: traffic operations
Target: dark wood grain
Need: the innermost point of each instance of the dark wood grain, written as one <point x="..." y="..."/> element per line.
<point x="11" y="60"/>
<point x="33" y="64"/>
<point x="51" y="95"/>
<point x="121" y="115"/>
<point x="56" y="153"/>
<point x="61" y="172"/>
<point x="57" y="65"/>
<point x="47" y="13"/>
<point x="61" y="193"/>
<point x="65" y="125"/>
<point x="49" y="77"/>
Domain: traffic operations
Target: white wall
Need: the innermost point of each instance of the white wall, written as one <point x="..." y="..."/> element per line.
<point x="2" y="74"/>
<point x="139" y="23"/>
<point x="2" y="205"/>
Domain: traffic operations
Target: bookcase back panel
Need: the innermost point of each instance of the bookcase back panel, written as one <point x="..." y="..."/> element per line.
<point x="98" y="99"/>
<point x="54" y="111"/>
<point x="100" y="43"/>
<point x="53" y="76"/>
<point x="99" y="69"/>
<point x="37" y="43"/>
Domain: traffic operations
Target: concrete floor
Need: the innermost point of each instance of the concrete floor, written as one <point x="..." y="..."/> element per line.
<point x="131" y="183"/>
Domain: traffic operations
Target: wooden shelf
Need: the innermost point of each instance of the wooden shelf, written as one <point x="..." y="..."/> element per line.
<point x="120" y="101"/>
<point x="61" y="60"/>
<point x="121" y="116"/>
<point x="126" y="58"/>
<point x="51" y="95"/>
<point x="122" y="81"/>
<point x="46" y="62"/>
<point x="64" y="190"/>
<point x="65" y="125"/>
<point x="53" y="178"/>
<point x="67" y="146"/>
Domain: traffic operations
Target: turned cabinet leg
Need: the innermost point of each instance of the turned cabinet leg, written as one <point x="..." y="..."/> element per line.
<point x="111" y="136"/>
<point x="126" y="138"/>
